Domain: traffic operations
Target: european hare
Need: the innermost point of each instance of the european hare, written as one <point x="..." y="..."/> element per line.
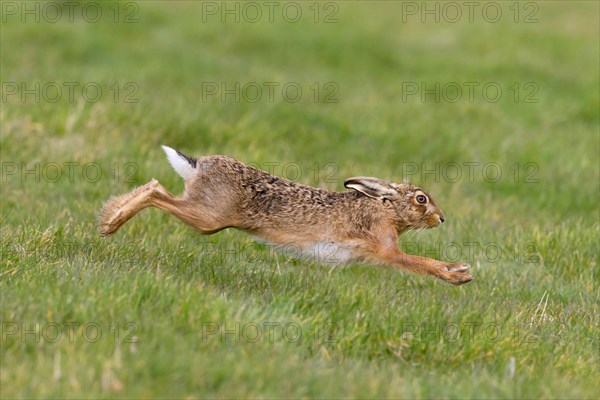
<point x="362" y="225"/>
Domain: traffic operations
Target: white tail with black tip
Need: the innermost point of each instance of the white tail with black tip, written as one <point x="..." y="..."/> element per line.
<point x="183" y="165"/>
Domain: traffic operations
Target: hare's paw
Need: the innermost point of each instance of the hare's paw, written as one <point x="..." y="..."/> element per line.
<point x="456" y="273"/>
<point x="459" y="278"/>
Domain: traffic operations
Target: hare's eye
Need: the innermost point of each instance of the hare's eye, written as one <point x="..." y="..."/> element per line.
<point x="421" y="199"/>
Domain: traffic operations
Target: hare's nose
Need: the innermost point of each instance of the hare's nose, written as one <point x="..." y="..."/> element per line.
<point x="442" y="219"/>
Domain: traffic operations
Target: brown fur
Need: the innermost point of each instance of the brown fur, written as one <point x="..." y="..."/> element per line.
<point x="363" y="225"/>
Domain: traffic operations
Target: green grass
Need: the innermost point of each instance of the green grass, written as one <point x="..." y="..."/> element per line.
<point x="526" y="327"/>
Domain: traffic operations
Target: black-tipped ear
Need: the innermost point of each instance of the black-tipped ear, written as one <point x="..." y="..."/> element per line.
<point x="372" y="187"/>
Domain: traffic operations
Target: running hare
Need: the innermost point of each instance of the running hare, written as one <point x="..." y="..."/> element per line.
<point x="362" y="225"/>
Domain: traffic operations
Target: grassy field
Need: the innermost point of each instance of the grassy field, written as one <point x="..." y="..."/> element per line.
<point x="498" y="120"/>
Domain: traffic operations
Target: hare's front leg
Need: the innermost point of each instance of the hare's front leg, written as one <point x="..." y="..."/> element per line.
<point x="450" y="272"/>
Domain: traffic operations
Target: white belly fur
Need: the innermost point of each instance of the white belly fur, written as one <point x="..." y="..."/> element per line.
<point x="321" y="252"/>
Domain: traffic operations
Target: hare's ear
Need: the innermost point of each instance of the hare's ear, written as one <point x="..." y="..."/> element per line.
<point x="372" y="187"/>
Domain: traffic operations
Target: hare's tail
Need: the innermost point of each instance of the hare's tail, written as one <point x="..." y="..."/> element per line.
<point x="185" y="166"/>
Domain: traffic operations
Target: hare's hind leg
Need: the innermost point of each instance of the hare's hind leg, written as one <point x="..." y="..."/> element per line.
<point x="121" y="209"/>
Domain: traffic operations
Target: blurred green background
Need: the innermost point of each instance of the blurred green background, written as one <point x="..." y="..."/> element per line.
<point x="91" y="90"/>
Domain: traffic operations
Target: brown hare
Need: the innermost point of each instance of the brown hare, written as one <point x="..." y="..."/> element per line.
<point x="362" y="225"/>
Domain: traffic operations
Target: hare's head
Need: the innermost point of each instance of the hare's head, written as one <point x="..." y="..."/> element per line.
<point x="414" y="208"/>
